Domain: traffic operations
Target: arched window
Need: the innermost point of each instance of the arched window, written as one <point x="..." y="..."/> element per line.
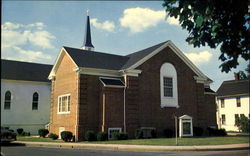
<point x="35" y="101"/>
<point x="7" y="100"/>
<point x="168" y="83"/>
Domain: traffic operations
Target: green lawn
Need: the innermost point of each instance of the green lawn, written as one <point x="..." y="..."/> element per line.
<point x="161" y="141"/>
<point x="181" y="141"/>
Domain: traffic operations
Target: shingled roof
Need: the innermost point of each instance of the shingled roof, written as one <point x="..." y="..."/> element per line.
<point x="16" y="70"/>
<point x="100" y="60"/>
<point x="233" y="88"/>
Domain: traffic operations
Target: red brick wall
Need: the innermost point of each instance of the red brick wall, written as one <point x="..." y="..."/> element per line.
<point x="65" y="83"/>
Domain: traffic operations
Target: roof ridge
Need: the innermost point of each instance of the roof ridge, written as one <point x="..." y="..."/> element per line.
<point x="95" y="51"/>
<point x="235" y="81"/>
<point x="26" y="62"/>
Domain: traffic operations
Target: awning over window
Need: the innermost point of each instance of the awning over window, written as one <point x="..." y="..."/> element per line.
<point x="112" y="82"/>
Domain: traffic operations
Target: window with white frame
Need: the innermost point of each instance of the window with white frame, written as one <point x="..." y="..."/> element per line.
<point x="168" y="86"/>
<point x="35" y="101"/>
<point x="113" y="130"/>
<point x="64" y="104"/>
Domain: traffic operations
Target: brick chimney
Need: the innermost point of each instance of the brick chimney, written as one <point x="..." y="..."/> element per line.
<point x="236" y="76"/>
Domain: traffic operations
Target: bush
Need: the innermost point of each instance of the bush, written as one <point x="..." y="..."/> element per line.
<point x="153" y="133"/>
<point x="43" y="132"/>
<point x="169" y="133"/>
<point x="25" y="134"/>
<point x="138" y="134"/>
<point x="53" y="136"/>
<point x="243" y="123"/>
<point x="216" y="132"/>
<point x="119" y="136"/>
<point x="66" y="136"/>
<point x="198" y="131"/>
<point x="90" y="136"/>
<point x="19" y="131"/>
<point x="102" y="136"/>
<point x="11" y="130"/>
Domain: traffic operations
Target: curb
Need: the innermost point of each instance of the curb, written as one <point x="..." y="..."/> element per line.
<point x="115" y="147"/>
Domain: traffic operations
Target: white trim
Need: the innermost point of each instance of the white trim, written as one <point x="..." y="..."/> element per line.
<point x="107" y="72"/>
<point x="58" y="61"/>
<point x="66" y="112"/>
<point x="171" y="45"/>
<point x="24" y="81"/>
<point x="188" y="119"/>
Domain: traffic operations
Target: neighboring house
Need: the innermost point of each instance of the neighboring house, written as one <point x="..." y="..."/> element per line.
<point x="232" y="102"/>
<point x="146" y="89"/>
<point x="25" y="95"/>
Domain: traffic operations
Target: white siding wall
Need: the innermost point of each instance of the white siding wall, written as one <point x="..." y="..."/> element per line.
<point x="230" y="110"/>
<point x="21" y="114"/>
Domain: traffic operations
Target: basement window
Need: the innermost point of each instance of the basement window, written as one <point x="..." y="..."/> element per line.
<point x="112" y="82"/>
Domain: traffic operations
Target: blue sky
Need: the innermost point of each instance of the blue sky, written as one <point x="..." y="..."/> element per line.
<point x="35" y="31"/>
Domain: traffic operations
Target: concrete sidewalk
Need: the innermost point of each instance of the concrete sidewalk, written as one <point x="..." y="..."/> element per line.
<point x="136" y="147"/>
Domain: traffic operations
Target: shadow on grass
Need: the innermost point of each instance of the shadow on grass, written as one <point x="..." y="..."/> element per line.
<point x="11" y="144"/>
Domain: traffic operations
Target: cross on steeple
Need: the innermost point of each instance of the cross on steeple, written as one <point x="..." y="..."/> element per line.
<point x="87" y="44"/>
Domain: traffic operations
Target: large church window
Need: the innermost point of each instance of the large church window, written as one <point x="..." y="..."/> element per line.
<point x="7" y="100"/>
<point x="35" y="101"/>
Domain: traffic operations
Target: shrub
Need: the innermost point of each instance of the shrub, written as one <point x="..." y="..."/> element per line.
<point x="123" y="136"/>
<point x="102" y="136"/>
<point x="243" y="123"/>
<point x="53" y="136"/>
<point x="216" y="132"/>
<point x="119" y="136"/>
<point x="153" y="133"/>
<point x="66" y="136"/>
<point x="25" y="134"/>
<point x="90" y="136"/>
<point x="11" y="130"/>
<point x="169" y="133"/>
<point x="19" y="131"/>
<point x="138" y="134"/>
<point x="198" y="131"/>
<point x="43" y="132"/>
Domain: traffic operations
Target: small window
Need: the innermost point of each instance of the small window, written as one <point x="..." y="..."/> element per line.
<point x="64" y="104"/>
<point x="223" y="119"/>
<point x="35" y="101"/>
<point x="113" y="130"/>
<point x="168" y="86"/>
<point x="236" y="116"/>
<point x="7" y="100"/>
<point x="238" y="102"/>
<point x="222" y="103"/>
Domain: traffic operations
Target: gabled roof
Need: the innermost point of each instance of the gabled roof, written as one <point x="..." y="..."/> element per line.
<point x="99" y="60"/>
<point x="90" y="59"/>
<point x="233" y="88"/>
<point x="16" y="70"/>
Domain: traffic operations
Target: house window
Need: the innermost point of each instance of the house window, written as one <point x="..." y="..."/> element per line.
<point x="223" y="119"/>
<point x="7" y="100"/>
<point x="238" y="102"/>
<point x="236" y="116"/>
<point x="222" y="103"/>
<point x="168" y="86"/>
<point x="113" y="130"/>
<point x="35" y="101"/>
<point x="64" y="104"/>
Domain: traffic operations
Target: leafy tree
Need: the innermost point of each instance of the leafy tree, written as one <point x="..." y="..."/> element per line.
<point x="242" y="75"/>
<point x="243" y="123"/>
<point x="215" y="23"/>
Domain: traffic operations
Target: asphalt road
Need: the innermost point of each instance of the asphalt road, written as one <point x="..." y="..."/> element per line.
<point x="20" y="150"/>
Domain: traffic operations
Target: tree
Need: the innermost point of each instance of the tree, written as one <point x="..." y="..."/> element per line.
<point x="242" y="75"/>
<point x="243" y="123"/>
<point x="215" y="23"/>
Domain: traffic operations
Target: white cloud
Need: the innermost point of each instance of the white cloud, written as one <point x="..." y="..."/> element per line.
<point x="139" y="19"/>
<point x="199" y="58"/>
<point x="173" y="21"/>
<point x="107" y="25"/>
<point x="19" y="34"/>
<point x="22" y="42"/>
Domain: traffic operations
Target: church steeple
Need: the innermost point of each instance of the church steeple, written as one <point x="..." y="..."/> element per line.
<point x="87" y="44"/>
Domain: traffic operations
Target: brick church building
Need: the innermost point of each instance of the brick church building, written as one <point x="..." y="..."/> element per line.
<point x="146" y="89"/>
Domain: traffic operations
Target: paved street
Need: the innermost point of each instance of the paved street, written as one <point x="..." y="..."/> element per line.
<point x="20" y="150"/>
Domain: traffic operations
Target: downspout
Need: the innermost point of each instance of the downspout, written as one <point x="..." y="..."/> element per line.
<point x="124" y="103"/>
<point x="77" y="106"/>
